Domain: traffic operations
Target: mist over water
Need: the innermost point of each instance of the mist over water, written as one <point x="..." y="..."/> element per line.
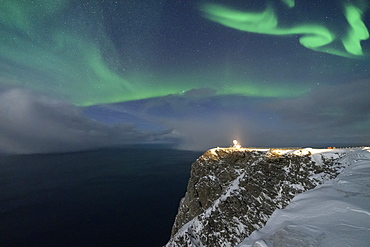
<point x="112" y="197"/>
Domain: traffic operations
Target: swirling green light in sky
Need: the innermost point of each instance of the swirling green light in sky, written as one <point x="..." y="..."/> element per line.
<point x="314" y="37"/>
<point x="289" y="3"/>
<point x="268" y="91"/>
<point x="41" y="50"/>
<point x="51" y="47"/>
<point x="357" y="31"/>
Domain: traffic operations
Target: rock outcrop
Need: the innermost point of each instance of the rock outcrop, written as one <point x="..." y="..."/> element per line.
<point x="232" y="192"/>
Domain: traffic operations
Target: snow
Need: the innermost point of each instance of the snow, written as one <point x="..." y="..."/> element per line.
<point x="336" y="213"/>
<point x="196" y="225"/>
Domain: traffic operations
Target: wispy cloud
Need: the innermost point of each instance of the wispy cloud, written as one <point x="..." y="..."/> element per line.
<point x="33" y="123"/>
<point x="342" y="104"/>
<point x="336" y="114"/>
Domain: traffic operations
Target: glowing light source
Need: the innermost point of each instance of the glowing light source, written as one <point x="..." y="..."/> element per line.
<point x="236" y="144"/>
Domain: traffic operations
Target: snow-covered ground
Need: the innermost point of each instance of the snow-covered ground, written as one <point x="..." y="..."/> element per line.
<point x="336" y="213"/>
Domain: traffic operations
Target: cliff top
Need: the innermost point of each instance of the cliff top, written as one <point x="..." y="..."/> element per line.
<point x="233" y="191"/>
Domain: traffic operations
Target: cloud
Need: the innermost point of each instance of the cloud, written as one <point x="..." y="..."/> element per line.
<point x="328" y="115"/>
<point x="202" y="121"/>
<point x="202" y="133"/>
<point x="333" y="113"/>
<point x="201" y="92"/>
<point x="33" y="123"/>
<point x="340" y="104"/>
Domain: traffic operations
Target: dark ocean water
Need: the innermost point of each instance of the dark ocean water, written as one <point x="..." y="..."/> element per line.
<point x="116" y="197"/>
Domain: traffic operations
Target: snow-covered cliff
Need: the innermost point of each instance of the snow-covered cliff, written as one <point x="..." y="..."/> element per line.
<point x="336" y="213"/>
<point x="233" y="192"/>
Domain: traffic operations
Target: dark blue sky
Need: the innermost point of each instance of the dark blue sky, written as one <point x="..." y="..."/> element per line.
<point x="83" y="74"/>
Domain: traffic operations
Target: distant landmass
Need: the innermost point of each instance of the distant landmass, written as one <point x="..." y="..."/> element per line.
<point x="233" y="192"/>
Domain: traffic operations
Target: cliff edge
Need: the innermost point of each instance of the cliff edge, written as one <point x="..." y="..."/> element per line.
<point x="233" y="191"/>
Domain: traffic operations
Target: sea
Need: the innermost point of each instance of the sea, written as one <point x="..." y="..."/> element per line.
<point x="126" y="196"/>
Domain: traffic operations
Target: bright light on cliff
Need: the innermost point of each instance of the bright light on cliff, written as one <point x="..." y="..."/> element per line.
<point x="236" y="144"/>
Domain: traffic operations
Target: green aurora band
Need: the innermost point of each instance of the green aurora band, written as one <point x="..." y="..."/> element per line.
<point x="289" y="3"/>
<point x="50" y="47"/>
<point x="41" y="50"/>
<point x="314" y="37"/>
<point x="357" y="31"/>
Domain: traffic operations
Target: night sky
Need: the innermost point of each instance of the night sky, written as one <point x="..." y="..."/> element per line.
<point x="193" y="74"/>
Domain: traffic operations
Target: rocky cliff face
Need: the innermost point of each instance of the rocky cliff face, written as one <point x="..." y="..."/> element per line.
<point x="232" y="192"/>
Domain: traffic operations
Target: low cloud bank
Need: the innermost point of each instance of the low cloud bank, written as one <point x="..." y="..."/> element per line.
<point x="332" y="114"/>
<point x="328" y="115"/>
<point x="335" y="105"/>
<point x="33" y="123"/>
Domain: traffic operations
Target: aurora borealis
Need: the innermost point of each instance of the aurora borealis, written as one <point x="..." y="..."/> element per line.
<point x="315" y="37"/>
<point x="183" y="66"/>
